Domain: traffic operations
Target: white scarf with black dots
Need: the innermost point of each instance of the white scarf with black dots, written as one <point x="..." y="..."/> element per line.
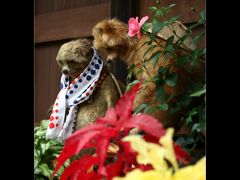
<point x="70" y="96"/>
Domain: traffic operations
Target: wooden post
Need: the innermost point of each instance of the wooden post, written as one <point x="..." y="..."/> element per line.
<point x="123" y="10"/>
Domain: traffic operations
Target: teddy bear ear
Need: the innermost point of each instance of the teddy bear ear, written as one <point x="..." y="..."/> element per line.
<point x="100" y="29"/>
<point x="90" y="52"/>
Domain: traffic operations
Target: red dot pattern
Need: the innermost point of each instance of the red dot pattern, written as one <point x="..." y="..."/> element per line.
<point x="54" y="117"/>
<point x="51" y="125"/>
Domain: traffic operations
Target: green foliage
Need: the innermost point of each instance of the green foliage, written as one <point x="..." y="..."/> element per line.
<point x="130" y="85"/>
<point x="171" y="80"/>
<point x="157" y="25"/>
<point x="45" y="151"/>
<point x="194" y="94"/>
<point x="155" y="57"/>
<point x="160" y="11"/>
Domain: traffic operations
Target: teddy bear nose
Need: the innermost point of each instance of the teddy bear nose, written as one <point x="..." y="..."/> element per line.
<point x="65" y="71"/>
<point x="109" y="61"/>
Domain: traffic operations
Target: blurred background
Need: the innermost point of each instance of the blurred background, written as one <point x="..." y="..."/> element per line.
<point x="59" y="21"/>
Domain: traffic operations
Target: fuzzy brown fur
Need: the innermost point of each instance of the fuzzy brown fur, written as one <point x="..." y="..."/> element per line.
<point x="112" y="41"/>
<point x="73" y="57"/>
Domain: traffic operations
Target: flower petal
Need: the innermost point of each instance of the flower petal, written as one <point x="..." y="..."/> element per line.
<point x="131" y="33"/>
<point x="139" y="34"/>
<point x="143" y="20"/>
<point x="133" y="24"/>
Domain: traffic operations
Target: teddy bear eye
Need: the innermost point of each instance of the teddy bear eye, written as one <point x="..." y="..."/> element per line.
<point x="71" y="61"/>
<point x="109" y="49"/>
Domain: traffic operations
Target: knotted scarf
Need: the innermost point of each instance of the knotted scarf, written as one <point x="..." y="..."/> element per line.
<point x="61" y="124"/>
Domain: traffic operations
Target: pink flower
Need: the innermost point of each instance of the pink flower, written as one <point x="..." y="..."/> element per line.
<point x="135" y="27"/>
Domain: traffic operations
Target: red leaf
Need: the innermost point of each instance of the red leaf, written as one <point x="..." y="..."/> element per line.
<point x="151" y="139"/>
<point x="75" y="143"/>
<point x="92" y="176"/>
<point x="78" y="167"/>
<point x="181" y="154"/>
<point x="101" y="151"/>
<point x="128" y="156"/>
<point x="77" y="134"/>
<point x="144" y="167"/>
<point x="125" y="104"/>
<point x="147" y="123"/>
<point x="85" y="139"/>
<point x="114" y="169"/>
<point x="111" y="115"/>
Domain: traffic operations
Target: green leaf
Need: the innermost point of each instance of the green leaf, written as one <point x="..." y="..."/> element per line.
<point x="171" y="5"/>
<point x="202" y="17"/>
<point x="171" y="80"/>
<point x="184" y="141"/>
<point x="157" y="25"/>
<point x="196" y="127"/>
<point x="189" y="118"/>
<point x="130" y="71"/>
<point x="163" y="107"/>
<point x="40" y="133"/>
<point x="142" y="107"/>
<point x="198" y="37"/>
<point x="131" y="84"/>
<point x="173" y="19"/>
<point x="152" y="8"/>
<point x="150" y="49"/>
<point x="45" y="147"/>
<point x="169" y="40"/>
<point x="139" y="72"/>
<point x="182" y="60"/>
<point x="36" y="162"/>
<point x="196" y="54"/>
<point x="160" y="93"/>
<point x="198" y="93"/>
<point x="44" y="124"/>
<point x="37" y="171"/>
<point x="155" y="57"/>
<point x="45" y="170"/>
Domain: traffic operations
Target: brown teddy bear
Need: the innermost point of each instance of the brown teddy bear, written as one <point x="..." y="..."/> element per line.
<point x="83" y="70"/>
<point x="112" y="41"/>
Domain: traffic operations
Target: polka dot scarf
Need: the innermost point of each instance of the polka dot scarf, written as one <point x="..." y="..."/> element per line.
<point x="72" y="94"/>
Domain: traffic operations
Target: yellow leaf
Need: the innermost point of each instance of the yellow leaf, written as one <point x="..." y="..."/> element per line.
<point x="146" y="175"/>
<point x="192" y="172"/>
<point x="148" y="153"/>
<point x="167" y="142"/>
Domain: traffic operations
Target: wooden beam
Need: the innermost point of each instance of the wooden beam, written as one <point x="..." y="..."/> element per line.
<point x="124" y="9"/>
<point x="69" y="24"/>
<point x="182" y="8"/>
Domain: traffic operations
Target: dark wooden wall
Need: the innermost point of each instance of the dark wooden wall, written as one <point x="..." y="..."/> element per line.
<point x="58" y="21"/>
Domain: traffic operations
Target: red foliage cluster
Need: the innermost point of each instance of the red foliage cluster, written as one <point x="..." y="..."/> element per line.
<point x="110" y="129"/>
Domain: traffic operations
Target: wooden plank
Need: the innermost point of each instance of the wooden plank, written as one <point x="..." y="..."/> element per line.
<point x="49" y="6"/>
<point x="47" y="77"/>
<point x="182" y="8"/>
<point x="123" y="10"/>
<point x="69" y="24"/>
